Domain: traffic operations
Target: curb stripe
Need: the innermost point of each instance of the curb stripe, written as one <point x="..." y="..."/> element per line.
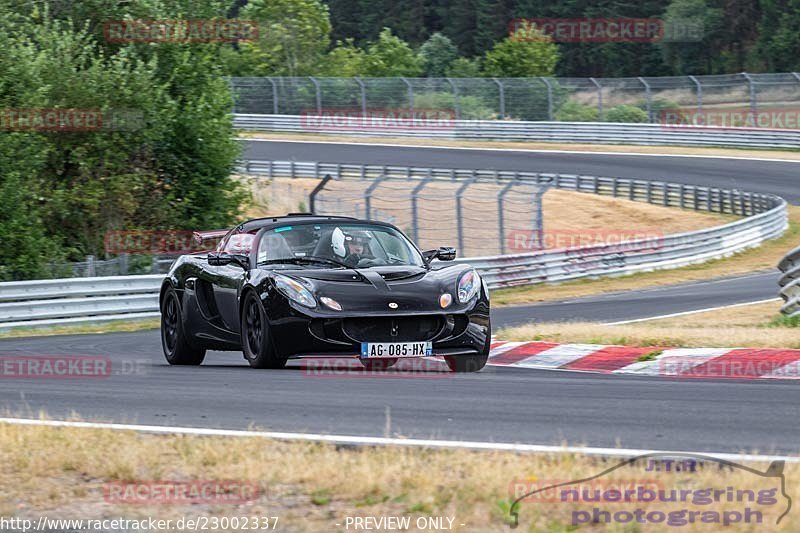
<point x="674" y="363"/>
<point x="610" y="358"/>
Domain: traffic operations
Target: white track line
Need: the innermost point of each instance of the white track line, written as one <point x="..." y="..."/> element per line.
<point x="385" y="441"/>
<point x="538" y="151"/>
<point x="683" y="313"/>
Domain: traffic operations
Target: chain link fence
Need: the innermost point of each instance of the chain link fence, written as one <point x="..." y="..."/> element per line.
<point x="526" y="99"/>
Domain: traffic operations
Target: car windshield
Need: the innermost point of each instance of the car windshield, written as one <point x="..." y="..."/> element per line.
<point x="352" y="245"/>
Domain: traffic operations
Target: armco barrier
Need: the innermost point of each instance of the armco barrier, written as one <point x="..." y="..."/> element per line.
<point x="82" y="300"/>
<point x="790" y="283"/>
<point x="578" y="132"/>
<point x="54" y="302"/>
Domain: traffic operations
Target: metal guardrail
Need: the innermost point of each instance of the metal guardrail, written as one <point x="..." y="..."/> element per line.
<point x="499" y="130"/>
<point x="56" y="302"/>
<point x="790" y="283"/>
<point x="84" y="300"/>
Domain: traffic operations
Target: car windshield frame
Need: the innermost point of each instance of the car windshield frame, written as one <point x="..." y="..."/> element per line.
<point x="416" y="259"/>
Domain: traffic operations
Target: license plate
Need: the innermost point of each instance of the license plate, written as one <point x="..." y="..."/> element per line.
<point x="390" y="350"/>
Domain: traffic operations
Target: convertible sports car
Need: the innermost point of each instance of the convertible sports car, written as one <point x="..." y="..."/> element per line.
<point x="316" y="286"/>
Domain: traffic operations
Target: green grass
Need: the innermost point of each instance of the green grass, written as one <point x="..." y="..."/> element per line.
<point x="649" y="356"/>
<point x="84" y="329"/>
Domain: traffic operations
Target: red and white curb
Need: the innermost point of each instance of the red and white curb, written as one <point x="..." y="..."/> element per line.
<point x="682" y="363"/>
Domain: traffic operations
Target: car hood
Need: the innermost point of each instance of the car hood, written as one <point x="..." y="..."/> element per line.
<point x="412" y="289"/>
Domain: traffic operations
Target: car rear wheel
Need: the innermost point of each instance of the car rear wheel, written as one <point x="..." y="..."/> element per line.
<point x="466" y="363"/>
<point x="256" y="338"/>
<point x="177" y="348"/>
<point x="378" y="364"/>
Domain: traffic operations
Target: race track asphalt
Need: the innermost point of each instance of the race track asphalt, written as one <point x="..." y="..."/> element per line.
<point x="497" y="404"/>
<point x="776" y="177"/>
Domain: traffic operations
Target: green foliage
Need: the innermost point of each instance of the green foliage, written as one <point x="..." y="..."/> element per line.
<point x="391" y="56"/>
<point x="293" y="38"/>
<point x="438" y="54"/>
<point x="166" y="165"/>
<point x="572" y="111"/>
<point x="626" y="113"/>
<point x="470" y="107"/>
<point x="526" y="53"/>
<point x="464" y="68"/>
<point x="345" y="60"/>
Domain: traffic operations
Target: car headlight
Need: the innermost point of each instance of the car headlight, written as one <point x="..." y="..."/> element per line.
<point x="295" y="291"/>
<point x="468" y="286"/>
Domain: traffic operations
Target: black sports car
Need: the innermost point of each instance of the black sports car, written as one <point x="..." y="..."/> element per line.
<point x="317" y="286"/>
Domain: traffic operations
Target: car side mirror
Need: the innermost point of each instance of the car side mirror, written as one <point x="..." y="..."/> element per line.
<point x="443" y="253"/>
<point x="224" y="258"/>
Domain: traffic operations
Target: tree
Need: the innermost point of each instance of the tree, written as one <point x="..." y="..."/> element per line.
<point x="778" y="47"/>
<point x="438" y="54"/>
<point x="391" y="56"/>
<point x="346" y="60"/>
<point x="293" y="36"/>
<point x="527" y="52"/>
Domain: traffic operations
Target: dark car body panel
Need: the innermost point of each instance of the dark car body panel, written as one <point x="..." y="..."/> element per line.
<point x="211" y="299"/>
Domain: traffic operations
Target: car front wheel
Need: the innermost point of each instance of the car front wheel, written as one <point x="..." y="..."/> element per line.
<point x="256" y="338"/>
<point x="177" y="348"/>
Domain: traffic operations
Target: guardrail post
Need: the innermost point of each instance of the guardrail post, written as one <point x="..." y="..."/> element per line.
<point x="410" y="95"/>
<point x="90" y="270"/>
<point x="699" y="94"/>
<point x="459" y="218"/>
<point x="500" y="212"/>
<point x="549" y="98"/>
<point x="456" y="106"/>
<point x="648" y="99"/>
<point x="502" y="92"/>
<point x="363" y="89"/>
<point x="599" y="98"/>
<point x="318" y="93"/>
<point x="274" y="96"/>
<point x="414" y="194"/>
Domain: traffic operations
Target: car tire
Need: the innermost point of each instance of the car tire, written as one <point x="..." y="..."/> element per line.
<point x="378" y="364"/>
<point x="177" y="348"/>
<point x="257" y="344"/>
<point x="466" y="363"/>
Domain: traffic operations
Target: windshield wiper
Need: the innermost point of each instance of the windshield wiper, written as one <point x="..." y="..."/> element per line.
<point x="306" y="259"/>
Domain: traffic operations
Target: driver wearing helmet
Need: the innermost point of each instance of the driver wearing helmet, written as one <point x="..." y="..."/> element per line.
<point x="351" y="246"/>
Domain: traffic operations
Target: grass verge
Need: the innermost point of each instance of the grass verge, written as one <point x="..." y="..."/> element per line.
<point x="64" y="472"/>
<point x="753" y="326"/>
<point x="762" y="258"/>
<point x="84" y="329"/>
<point x="788" y="154"/>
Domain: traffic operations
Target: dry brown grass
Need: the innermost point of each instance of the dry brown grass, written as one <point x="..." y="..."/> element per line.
<point x="753" y="326"/>
<point x="110" y="327"/>
<point x="60" y="473"/>
<point x="762" y="258"/>
<point x="793" y="155"/>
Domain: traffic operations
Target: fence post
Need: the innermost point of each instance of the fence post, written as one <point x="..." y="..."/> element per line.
<point x="312" y="198"/>
<point x="502" y="92"/>
<point x="274" y="96"/>
<point x="500" y="212"/>
<point x="753" y="96"/>
<point x="699" y="95"/>
<point x="648" y="98"/>
<point x="90" y="271"/>
<point x="368" y="194"/>
<point x="363" y="96"/>
<point x="599" y="98"/>
<point x="549" y="98"/>
<point x="456" y="107"/>
<point x="459" y="218"/>
<point x="318" y="94"/>
<point x="410" y="95"/>
<point x="414" y="194"/>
